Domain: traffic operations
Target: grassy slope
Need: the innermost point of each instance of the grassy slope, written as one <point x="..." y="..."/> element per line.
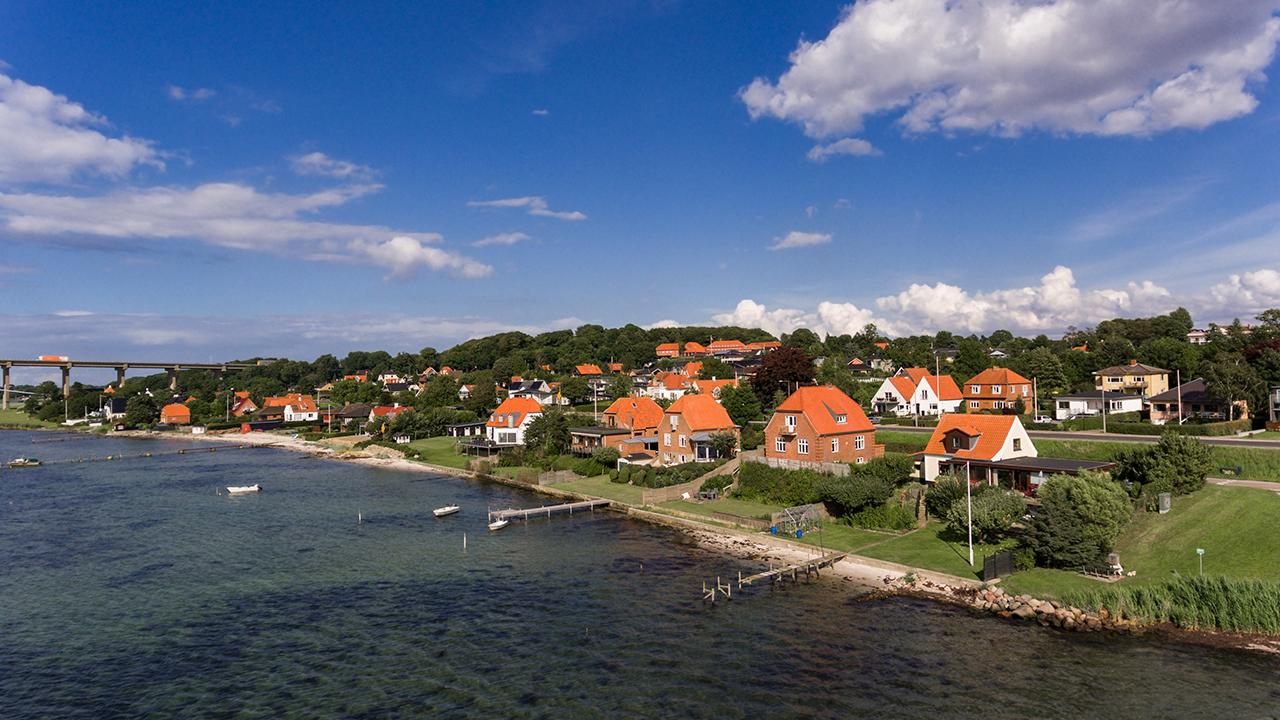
<point x="934" y="547"/>
<point x="439" y="451"/>
<point x="18" y="418"/>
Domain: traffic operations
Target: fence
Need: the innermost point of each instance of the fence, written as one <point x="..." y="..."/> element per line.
<point x="653" y="496"/>
<point x="997" y="566"/>
<point x="755" y="523"/>
<point x="837" y="469"/>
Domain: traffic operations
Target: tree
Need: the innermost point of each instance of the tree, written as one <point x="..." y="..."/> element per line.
<point x="724" y="443"/>
<point x="548" y="434"/>
<point x="575" y="389"/>
<point x="141" y="410"/>
<point x="484" y="396"/>
<point x="783" y="369"/>
<point x="1040" y="363"/>
<point x="1178" y="464"/>
<point x="994" y="511"/>
<point x="971" y="359"/>
<point x="716" y="369"/>
<point x="440" y="391"/>
<point x="1079" y="519"/>
<point x="836" y="372"/>
<point x="742" y="405"/>
<point x="1229" y="378"/>
<point x="619" y="386"/>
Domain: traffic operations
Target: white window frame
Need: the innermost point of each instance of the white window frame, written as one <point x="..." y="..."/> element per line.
<point x="835" y="445"/>
<point x="973" y="404"/>
<point x="779" y="444"/>
<point x="674" y="421"/>
<point x="842" y="419"/>
<point x="1017" y="444"/>
<point x="859" y="442"/>
<point x="802" y="446"/>
<point x="666" y="439"/>
<point x="862" y="460"/>
<point x="975" y="389"/>
<point x="995" y="389"/>
<point x="791" y="422"/>
<point x="682" y="441"/>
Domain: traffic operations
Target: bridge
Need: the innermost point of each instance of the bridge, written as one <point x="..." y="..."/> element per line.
<point x="120" y="368"/>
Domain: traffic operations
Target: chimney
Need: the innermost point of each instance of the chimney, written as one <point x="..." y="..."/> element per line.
<point x="1133" y="362"/>
<point x="511" y="420"/>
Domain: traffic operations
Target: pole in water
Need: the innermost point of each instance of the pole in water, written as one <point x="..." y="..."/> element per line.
<point x="464" y="541"/>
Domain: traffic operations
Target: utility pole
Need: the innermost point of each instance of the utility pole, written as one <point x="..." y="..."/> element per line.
<point x="968" y="492"/>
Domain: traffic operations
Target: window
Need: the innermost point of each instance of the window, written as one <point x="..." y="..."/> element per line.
<point x="682" y="460"/>
<point x="674" y="420"/>
<point x="975" y="389"/>
<point x="666" y="439"/>
<point x="1115" y="380"/>
<point x="995" y="389"/>
<point x="973" y="404"/>
<point x="1026" y="390"/>
<point x="835" y="445"/>
<point x="791" y="422"/>
<point x="1017" y="443"/>
<point x="842" y="419"/>
<point x="955" y="443"/>
<point x="859" y="442"/>
<point x="999" y="404"/>
<point x="924" y="394"/>
<point x="682" y="444"/>
<point x="803" y="446"/>
<point x="780" y="445"/>
<point x="861" y="460"/>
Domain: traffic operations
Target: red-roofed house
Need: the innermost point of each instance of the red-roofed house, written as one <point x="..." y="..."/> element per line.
<point x="724" y="346"/>
<point x="508" y="423"/>
<point x="771" y="345"/>
<point x="997" y="389"/>
<point x="711" y="388"/>
<point x="640" y="415"/>
<point x="297" y="407"/>
<point x="821" y="424"/>
<point x="913" y="391"/>
<point x="667" y="350"/>
<point x="388" y="411"/>
<point x="978" y="439"/>
<point x="587" y="370"/>
<point x="175" y="414"/>
<point x="615" y="368"/>
<point x="243" y="406"/>
<point x="357" y="378"/>
<point x="668" y="386"/>
<point x="691" y="370"/>
<point x="687" y="427"/>
<point x="693" y="349"/>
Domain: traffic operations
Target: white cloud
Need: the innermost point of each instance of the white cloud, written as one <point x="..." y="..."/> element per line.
<point x="317" y="163"/>
<point x="233" y="216"/>
<point x="1247" y="294"/>
<point x="178" y="93"/>
<point x="15" y="270"/>
<point x="541" y="112"/>
<point x="536" y="205"/>
<point x="795" y="239"/>
<point x="1104" y="67"/>
<point x="848" y="146"/>
<point x="46" y="138"/>
<point x="503" y="239"/>
<point x="663" y="324"/>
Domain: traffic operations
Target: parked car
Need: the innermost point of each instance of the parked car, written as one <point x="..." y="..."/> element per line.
<point x="1043" y="419"/>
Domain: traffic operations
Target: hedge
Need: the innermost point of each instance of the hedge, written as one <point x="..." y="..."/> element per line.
<point x="1094" y="422"/>
<point x="1204" y="430"/>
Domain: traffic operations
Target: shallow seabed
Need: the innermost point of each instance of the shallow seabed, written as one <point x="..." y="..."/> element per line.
<point x="133" y="589"/>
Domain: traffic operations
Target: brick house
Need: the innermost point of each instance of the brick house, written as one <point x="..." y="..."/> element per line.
<point x="175" y="414"/>
<point x="997" y="389"/>
<point x="821" y="424"/>
<point x="687" y="427"/>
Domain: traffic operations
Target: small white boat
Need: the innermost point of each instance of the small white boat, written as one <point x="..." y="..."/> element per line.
<point x="446" y="510"/>
<point x="498" y="524"/>
<point x="244" y="488"/>
<point x="23" y="462"/>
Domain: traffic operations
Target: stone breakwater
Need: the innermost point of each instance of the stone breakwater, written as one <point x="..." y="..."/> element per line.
<point x="1048" y="613"/>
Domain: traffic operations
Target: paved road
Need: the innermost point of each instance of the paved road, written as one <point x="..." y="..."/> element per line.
<point x="1232" y="482"/>
<point x="1098" y="435"/>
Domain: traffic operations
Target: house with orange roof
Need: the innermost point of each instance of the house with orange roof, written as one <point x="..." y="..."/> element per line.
<point x="693" y="349"/>
<point x="997" y="389"/>
<point x="297" y="407"/>
<point x="821" y="424"/>
<point x="243" y="406"/>
<point x="994" y="449"/>
<point x="667" y="350"/>
<point x="640" y="415"/>
<point x="175" y="414"/>
<point x="587" y="370"/>
<point x="615" y="368"/>
<point x="388" y="412"/>
<point x="687" y="428"/>
<point x="508" y="423"/>
<point x="913" y="391"/>
<point x="726" y="346"/>
<point x="771" y="345"/>
<point x="691" y="370"/>
<point x="712" y="388"/>
<point x="363" y="377"/>
<point x="961" y="440"/>
<point x="668" y="386"/>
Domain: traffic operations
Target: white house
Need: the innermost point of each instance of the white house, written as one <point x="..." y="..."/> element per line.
<point x="913" y="391"/>
<point x="539" y="390"/>
<point x="1091" y="403"/>
<point x="508" y="423"/>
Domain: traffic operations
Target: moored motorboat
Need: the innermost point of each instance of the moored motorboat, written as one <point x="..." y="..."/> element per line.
<point x="446" y="510"/>
<point x="23" y="462"/>
<point x="244" y="488"/>
<point x="498" y="524"/>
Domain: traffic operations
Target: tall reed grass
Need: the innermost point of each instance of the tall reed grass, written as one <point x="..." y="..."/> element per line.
<point x="1200" y="602"/>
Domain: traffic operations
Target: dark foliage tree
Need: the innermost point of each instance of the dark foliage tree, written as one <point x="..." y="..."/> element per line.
<point x="1178" y="464"/>
<point x="141" y="410"/>
<point x="715" y="369"/>
<point x="783" y="369"/>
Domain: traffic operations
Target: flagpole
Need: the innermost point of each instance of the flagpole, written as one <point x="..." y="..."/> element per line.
<point x="968" y="491"/>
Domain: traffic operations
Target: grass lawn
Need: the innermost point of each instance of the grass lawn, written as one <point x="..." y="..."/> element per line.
<point x="439" y="451"/>
<point x="734" y="507"/>
<point x="844" y="538"/>
<point x="936" y="548"/>
<point x="600" y="486"/>
<point x="18" y="418"/>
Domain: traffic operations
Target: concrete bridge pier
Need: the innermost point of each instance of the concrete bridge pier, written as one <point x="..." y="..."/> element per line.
<point x="120" y="376"/>
<point x="5" y="405"/>
<point x="66" y="381"/>
<point x="173" y="377"/>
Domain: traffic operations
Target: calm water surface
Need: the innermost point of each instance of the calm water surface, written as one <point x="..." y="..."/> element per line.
<point x="131" y="589"/>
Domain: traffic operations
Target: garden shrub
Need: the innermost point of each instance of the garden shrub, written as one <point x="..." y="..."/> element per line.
<point x="564" y="462"/>
<point x="889" y="516"/>
<point x="587" y="467"/>
<point x="944" y="493"/>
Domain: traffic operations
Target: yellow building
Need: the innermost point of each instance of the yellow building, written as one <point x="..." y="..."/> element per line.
<point x="1134" y="379"/>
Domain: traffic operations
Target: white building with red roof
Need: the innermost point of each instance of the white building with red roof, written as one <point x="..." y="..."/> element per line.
<point x="913" y="391"/>
<point x="508" y="423"/>
<point x="975" y="439"/>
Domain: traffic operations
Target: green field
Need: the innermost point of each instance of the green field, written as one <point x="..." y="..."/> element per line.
<point x="18" y="419"/>
<point x="599" y="486"/>
<point x="936" y="548"/>
<point x="439" y="451"/>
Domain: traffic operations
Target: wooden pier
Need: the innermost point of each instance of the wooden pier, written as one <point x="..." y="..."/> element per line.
<point x="122" y="456"/>
<point x="548" y="510"/>
<point x="808" y="567"/>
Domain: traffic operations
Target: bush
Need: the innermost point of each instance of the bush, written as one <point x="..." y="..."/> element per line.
<point x="606" y="456"/>
<point x="993" y="512"/>
<point x="1078" y="520"/>
<point x="1024" y="558"/>
<point x="944" y="493"/>
<point x="855" y="493"/>
<point x="717" y="483"/>
<point x="1177" y="464"/>
<point x="762" y="483"/>
<point x="889" y="516"/>
<point x="564" y="462"/>
<point x="587" y="467"/>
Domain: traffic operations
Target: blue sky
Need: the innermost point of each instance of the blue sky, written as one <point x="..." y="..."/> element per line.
<point x="185" y="181"/>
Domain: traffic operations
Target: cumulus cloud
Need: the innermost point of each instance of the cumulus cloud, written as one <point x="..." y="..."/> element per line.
<point x="541" y="112"/>
<point x="233" y="216"/>
<point x="1248" y="293"/>
<point x="319" y="164"/>
<point x="1101" y="67"/>
<point x="536" y="206"/>
<point x="503" y="239"/>
<point x="795" y="239"/>
<point x="47" y="138"/>
<point x="848" y="146"/>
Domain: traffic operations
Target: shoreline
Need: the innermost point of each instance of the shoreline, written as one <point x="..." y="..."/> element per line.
<point x="874" y="576"/>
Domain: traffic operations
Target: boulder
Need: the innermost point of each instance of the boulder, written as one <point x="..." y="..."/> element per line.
<point x="1024" y="612"/>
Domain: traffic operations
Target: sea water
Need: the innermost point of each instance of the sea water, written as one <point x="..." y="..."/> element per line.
<point x="139" y="588"/>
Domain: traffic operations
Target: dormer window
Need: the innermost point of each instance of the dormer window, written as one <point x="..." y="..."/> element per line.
<point x="975" y="389"/>
<point x="842" y="419"/>
<point x="791" y="421"/>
